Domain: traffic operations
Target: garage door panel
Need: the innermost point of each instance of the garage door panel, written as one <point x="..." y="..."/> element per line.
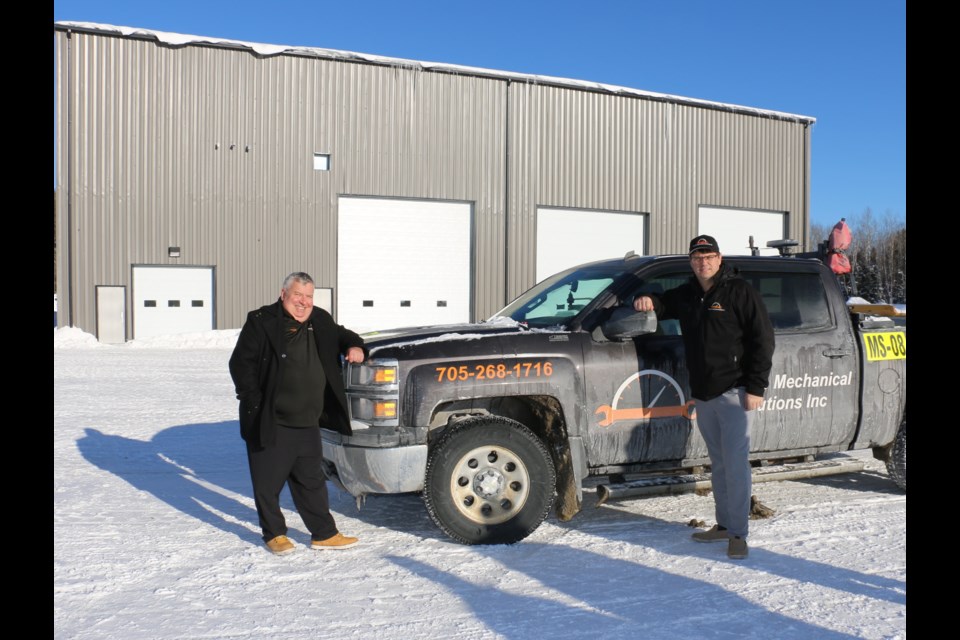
<point x="171" y="300"/>
<point x="568" y="237"/>
<point x="732" y="229"/>
<point x="402" y="263"/>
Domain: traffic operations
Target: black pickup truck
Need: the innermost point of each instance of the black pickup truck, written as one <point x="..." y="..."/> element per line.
<point x="499" y="422"/>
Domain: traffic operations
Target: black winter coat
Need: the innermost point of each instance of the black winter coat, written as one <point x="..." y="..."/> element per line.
<point x="727" y="334"/>
<point x="257" y="366"/>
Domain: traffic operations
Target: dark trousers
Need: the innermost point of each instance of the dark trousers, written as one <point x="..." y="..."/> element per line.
<point x="295" y="459"/>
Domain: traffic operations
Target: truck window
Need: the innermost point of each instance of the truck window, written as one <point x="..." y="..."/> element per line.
<point x="795" y="301"/>
<point x="566" y="300"/>
<point x="656" y="286"/>
<point x="554" y="301"/>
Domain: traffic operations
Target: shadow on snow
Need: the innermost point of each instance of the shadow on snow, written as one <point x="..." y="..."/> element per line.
<point x="193" y="468"/>
<point x="201" y="470"/>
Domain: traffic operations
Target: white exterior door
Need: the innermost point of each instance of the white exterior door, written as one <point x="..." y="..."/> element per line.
<point x="402" y="263"/>
<point x="169" y="300"/>
<point x="111" y="314"/>
<point x="732" y="229"/>
<point x="568" y="237"/>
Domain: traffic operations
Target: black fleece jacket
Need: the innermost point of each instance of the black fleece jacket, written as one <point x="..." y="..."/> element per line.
<point x="726" y="333"/>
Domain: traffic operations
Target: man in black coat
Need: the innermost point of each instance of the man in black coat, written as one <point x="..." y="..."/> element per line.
<point x="729" y="343"/>
<point x="286" y="370"/>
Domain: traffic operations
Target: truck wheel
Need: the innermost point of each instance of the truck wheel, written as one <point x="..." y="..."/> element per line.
<point x="489" y="480"/>
<point x="897" y="462"/>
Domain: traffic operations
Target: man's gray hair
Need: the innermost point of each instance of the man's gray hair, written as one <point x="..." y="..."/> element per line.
<point x="296" y="276"/>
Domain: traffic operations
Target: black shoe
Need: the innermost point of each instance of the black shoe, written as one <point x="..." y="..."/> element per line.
<point x="737" y="548"/>
<point x="714" y="534"/>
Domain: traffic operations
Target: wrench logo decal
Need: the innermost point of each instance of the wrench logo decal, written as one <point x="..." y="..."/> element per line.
<point x="644" y="395"/>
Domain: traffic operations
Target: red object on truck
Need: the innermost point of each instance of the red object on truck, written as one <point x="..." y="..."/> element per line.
<point x="840" y="238"/>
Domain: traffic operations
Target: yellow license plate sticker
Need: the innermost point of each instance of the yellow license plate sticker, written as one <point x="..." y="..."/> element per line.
<point x="885" y="346"/>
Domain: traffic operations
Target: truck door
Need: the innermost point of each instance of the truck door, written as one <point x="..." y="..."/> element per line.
<point x="811" y="403"/>
<point x="637" y="391"/>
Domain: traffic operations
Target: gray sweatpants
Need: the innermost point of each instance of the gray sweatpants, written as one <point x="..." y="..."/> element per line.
<point x="725" y="427"/>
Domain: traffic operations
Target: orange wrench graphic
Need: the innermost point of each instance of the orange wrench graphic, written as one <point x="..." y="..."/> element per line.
<point x="611" y="415"/>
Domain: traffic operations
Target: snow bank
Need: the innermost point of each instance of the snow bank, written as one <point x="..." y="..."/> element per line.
<point x="75" y="338"/>
<point x="224" y="339"/>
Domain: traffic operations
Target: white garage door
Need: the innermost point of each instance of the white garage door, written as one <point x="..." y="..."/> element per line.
<point x="168" y="300"/>
<point x="568" y="237"/>
<point x="733" y="227"/>
<point x="402" y="263"/>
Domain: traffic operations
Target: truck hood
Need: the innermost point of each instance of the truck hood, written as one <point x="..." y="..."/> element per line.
<point x="410" y="336"/>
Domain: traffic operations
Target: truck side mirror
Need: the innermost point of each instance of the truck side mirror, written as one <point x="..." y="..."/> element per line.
<point x="625" y="323"/>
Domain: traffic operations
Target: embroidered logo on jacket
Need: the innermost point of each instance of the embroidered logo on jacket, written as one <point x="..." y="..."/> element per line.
<point x="716" y="306"/>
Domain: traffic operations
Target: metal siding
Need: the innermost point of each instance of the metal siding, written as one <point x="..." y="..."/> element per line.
<point x="152" y="164"/>
<point x="580" y="149"/>
<point x="61" y="192"/>
<point x="406" y="133"/>
<point x="146" y="172"/>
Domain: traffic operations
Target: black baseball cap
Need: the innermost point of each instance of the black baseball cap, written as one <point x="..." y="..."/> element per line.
<point x="704" y="243"/>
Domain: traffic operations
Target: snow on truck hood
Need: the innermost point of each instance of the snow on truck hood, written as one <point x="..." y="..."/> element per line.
<point x="410" y="336"/>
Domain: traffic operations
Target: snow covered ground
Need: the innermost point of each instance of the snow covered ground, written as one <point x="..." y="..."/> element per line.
<point x="156" y="537"/>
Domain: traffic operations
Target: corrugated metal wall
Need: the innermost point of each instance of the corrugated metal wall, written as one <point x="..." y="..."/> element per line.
<point x="586" y="150"/>
<point x="211" y="149"/>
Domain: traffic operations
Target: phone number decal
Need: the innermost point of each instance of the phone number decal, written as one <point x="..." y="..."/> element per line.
<point x="494" y="371"/>
<point x="886" y="346"/>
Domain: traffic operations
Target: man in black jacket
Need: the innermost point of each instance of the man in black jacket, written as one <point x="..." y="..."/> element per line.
<point x="729" y="345"/>
<point x="286" y="370"/>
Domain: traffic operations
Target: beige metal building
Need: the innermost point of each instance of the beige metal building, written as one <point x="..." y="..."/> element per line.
<point x="193" y="173"/>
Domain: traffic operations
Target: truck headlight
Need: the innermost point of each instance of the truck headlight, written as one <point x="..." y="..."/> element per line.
<point x="374" y="392"/>
<point x="374" y="373"/>
<point x="384" y="375"/>
<point x="384" y="409"/>
<point x="377" y="411"/>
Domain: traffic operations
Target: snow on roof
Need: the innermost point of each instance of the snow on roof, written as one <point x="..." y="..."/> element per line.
<point x="179" y="40"/>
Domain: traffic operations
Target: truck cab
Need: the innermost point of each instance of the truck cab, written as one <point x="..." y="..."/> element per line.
<point x="497" y="423"/>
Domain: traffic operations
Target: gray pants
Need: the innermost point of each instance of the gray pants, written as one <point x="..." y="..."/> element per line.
<point x="725" y="427"/>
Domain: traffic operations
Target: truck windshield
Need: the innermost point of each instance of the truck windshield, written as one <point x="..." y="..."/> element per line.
<point x="555" y="300"/>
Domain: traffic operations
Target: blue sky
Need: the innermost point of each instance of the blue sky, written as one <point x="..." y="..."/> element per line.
<point x="842" y="62"/>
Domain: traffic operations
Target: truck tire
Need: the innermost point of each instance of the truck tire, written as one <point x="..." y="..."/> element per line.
<point x="897" y="462"/>
<point x="489" y="480"/>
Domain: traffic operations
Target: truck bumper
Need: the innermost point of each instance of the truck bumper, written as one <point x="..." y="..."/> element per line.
<point x="363" y="470"/>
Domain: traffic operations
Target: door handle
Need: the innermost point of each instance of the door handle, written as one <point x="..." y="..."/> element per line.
<point x="837" y="353"/>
